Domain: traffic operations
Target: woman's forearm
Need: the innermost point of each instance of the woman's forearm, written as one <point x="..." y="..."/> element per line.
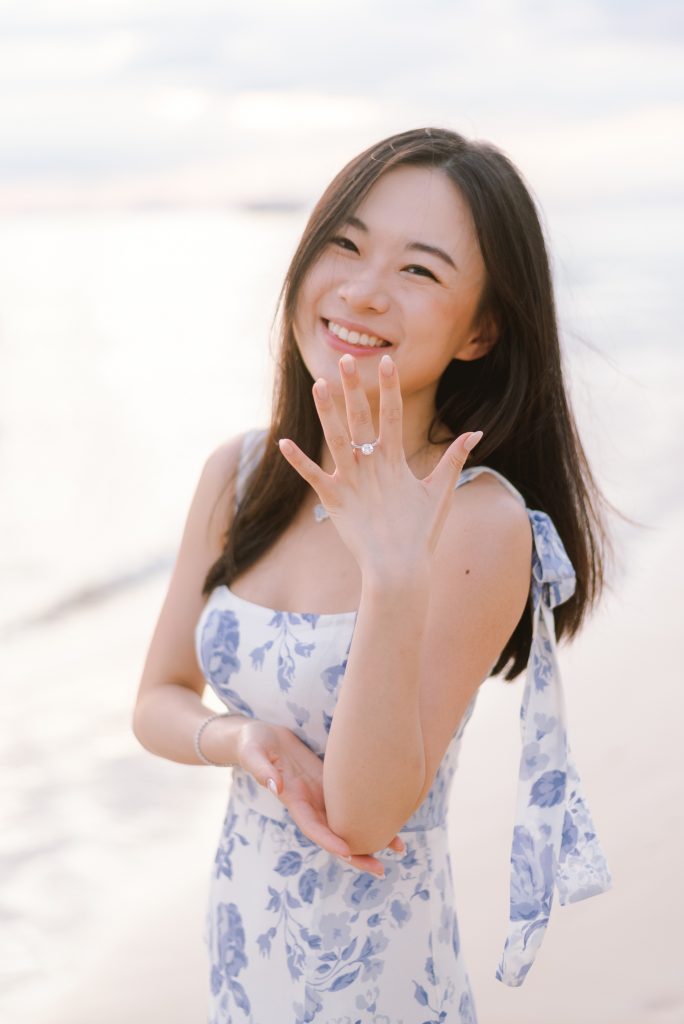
<point x="374" y="766"/>
<point x="166" y="721"/>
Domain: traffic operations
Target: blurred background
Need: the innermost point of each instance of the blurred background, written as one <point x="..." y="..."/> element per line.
<point x="157" y="164"/>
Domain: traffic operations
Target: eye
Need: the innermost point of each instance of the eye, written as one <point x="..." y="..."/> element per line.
<point x="344" y="243"/>
<point x="418" y="271"/>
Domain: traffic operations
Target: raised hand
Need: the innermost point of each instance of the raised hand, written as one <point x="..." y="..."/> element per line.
<point x="274" y="752"/>
<point x="387" y="518"/>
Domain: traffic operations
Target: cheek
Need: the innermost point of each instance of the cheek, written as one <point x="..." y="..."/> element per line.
<point x="436" y="316"/>
<point x="305" y="306"/>
<point x="320" y="278"/>
<point x="315" y="285"/>
<point x="462" y="307"/>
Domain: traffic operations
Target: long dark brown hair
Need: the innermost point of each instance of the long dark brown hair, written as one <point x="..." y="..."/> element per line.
<point x="515" y="393"/>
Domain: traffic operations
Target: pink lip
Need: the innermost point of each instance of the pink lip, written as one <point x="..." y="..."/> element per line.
<point x="343" y="346"/>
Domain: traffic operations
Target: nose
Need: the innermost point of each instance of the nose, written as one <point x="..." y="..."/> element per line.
<point x="364" y="290"/>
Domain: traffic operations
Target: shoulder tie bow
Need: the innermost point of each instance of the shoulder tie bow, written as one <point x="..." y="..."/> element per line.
<point x="554" y="839"/>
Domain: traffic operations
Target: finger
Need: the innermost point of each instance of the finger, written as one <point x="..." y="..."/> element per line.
<point x="312" y="824"/>
<point x="335" y="433"/>
<point x="306" y="467"/>
<point x="260" y="767"/>
<point x="451" y="464"/>
<point x="364" y="862"/>
<point x="390" y="407"/>
<point x="398" y="845"/>
<point x="359" y="414"/>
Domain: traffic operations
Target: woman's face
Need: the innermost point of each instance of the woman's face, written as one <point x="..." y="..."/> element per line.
<point x="406" y="268"/>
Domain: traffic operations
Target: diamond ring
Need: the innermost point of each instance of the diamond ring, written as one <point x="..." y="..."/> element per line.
<point x="367" y="448"/>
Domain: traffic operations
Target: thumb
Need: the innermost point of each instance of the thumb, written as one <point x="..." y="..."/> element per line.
<point x="262" y="770"/>
<point x="456" y="455"/>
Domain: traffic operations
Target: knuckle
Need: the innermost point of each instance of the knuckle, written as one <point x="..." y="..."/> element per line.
<point x="361" y="417"/>
<point x="338" y="442"/>
<point x="393" y="414"/>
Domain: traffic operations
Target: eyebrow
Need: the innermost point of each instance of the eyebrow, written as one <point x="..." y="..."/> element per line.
<point x="431" y="250"/>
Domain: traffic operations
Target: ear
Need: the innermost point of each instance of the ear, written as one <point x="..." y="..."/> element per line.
<point x="482" y="340"/>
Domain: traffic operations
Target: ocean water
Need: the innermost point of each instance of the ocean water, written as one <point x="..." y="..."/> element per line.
<point x="130" y="345"/>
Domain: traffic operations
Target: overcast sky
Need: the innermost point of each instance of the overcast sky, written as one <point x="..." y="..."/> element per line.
<point x="105" y="102"/>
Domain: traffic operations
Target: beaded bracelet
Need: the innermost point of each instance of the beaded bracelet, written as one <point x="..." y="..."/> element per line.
<point x="202" y="757"/>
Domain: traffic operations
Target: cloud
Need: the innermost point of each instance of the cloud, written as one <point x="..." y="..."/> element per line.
<point x="119" y="98"/>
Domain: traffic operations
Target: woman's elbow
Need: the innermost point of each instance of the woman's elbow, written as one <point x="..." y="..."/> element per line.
<point x="138" y="723"/>
<point x="367" y="836"/>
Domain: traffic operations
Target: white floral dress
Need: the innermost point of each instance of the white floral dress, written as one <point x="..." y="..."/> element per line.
<point x="293" y="933"/>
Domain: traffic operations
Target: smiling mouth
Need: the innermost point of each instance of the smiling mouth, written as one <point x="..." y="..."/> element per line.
<point x="355" y="337"/>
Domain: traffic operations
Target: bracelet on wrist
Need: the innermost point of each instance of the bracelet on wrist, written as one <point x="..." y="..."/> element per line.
<point x="198" y="749"/>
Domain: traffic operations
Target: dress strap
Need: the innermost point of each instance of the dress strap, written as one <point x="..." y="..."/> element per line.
<point x="554" y="840"/>
<point x="475" y="471"/>
<point x="250" y="451"/>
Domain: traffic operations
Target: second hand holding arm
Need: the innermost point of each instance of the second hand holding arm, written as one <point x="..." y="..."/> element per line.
<point x="374" y="765"/>
<point x="273" y="752"/>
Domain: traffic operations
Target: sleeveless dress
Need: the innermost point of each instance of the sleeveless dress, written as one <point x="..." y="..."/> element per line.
<point x="296" y="935"/>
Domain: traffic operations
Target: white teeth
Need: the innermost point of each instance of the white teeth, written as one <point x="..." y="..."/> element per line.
<point x="353" y="337"/>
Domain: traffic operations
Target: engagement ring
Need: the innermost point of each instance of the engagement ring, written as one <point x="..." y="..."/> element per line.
<point x="367" y="448"/>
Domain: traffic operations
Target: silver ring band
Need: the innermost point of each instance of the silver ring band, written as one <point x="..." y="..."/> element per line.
<point x="367" y="448"/>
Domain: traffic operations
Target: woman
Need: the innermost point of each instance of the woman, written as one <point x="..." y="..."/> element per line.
<point x="359" y="594"/>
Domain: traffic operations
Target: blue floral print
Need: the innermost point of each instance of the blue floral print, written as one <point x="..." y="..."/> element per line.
<point x="218" y="653"/>
<point x="231" y="959"/>
<point x="295" y="934"/>
<point x="222" y="860"/>
<point x="287" y="646"/>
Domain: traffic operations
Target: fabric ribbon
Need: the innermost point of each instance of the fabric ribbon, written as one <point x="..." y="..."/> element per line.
<point x="554" y="839"/>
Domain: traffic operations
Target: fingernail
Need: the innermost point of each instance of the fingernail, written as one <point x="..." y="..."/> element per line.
<point x="347" y="859"/>
<point x="386" y="366"/>
<point x="474" y="438"/>
<point x="272" y="786"/>
<point x="347" y="363"/>
<point x="321" y="388"/>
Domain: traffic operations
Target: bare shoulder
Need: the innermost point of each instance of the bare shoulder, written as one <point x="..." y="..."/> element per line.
<point x="171" y="656"/>
<point x="215" y="492"/>
<point x="487" y="543"/>
<point x="485" y="559"/>
<point x="486" y="509"/>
